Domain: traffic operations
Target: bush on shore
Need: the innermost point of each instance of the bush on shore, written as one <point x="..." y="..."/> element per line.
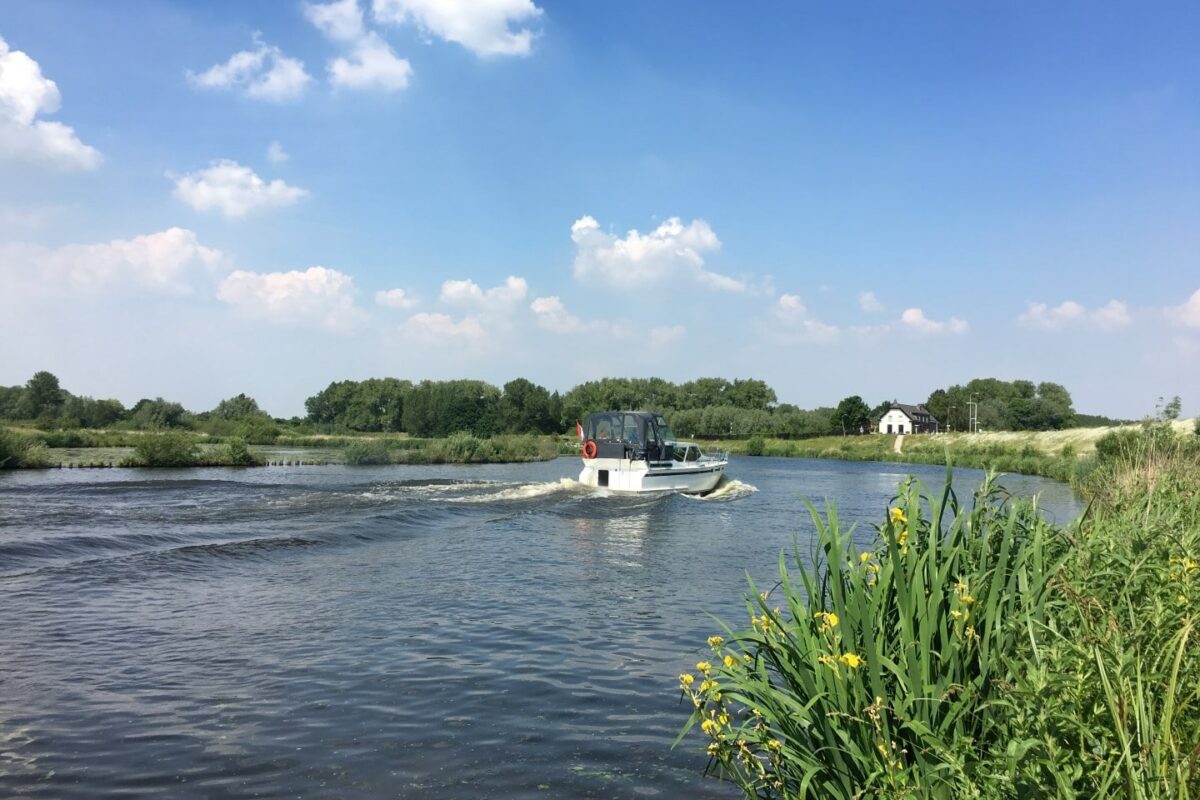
<point x="976" y="652"/>
<point x="168" y="449"/>
<point x="458" y="448"/>
<point x="18" y="451"/>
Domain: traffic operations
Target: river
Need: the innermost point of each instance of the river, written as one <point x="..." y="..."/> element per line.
<point x="403" y="631"/>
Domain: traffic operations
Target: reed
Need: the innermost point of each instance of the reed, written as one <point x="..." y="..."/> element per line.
<point x="975" y="651"/>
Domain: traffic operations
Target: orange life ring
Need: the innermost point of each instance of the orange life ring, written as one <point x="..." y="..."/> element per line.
<point x="589" y="449"/>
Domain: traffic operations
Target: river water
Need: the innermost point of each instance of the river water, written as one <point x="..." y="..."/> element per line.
<point x="425" y="632"/>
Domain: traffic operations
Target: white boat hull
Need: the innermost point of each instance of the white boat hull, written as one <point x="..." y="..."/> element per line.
<point x="621" y="475"/>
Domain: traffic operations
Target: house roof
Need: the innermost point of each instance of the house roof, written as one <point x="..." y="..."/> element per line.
<point x="912" y="411"/>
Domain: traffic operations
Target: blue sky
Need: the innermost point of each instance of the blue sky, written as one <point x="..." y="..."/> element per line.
<point x="201" y="199"/>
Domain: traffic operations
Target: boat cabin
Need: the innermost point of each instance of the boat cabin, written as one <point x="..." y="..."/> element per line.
<point x="636" y="435"/>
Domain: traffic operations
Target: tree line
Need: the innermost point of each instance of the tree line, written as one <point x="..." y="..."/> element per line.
<point x="705" y="407"/>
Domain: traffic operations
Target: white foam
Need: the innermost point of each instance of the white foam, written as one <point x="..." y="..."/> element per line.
<point x="524" y="491"/>
<point x="726" y="490"/>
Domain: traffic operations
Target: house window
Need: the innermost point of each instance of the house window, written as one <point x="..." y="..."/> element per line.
<point x="901" y="429"/>
<point x="889" y="427"/>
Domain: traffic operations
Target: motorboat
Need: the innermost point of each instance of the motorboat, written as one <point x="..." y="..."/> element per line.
<point x="636" y="451"/>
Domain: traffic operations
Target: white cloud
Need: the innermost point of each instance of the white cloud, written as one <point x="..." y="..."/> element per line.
<point x="24" y="94"/>
<point x="263" y="73"/>
<point x="481" y="26"/>
<point x="371" y="65"/>
<point x="498" y="298"/>
<point x="395" y="298"/>
<point x="441" y="328"/>
<point x="794" y="324"/>
<point x="1187" y="314"/>
<point x="316" y="296"/>
<point x="341" y="21"/>
<point x="1114" y="314"/>
<point x="276" y="154"/>
<point x="156" y="260"/>
<point x="233" y="190"/>
<point x="552" y="315"/>
<point x="915" y="318"/>
<point x="868" y="302"/>
<point x="791" y="306"/>
<point x="672" y="250"/>
<point x="666" y="334"/>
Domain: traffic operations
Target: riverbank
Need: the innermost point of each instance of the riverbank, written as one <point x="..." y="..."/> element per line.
<point x="1066" y="455"/>
<point x="1061" y="658"/>
<point x="33" y="449"/>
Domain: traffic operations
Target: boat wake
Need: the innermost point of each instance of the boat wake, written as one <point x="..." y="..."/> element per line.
<point x="728" y="489"/>
<point x="523" y="491"/>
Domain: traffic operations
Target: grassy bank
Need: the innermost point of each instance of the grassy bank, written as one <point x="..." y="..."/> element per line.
<point x="462" y="448"/>
<point x="976" y="650"/>
<point x="32" y="449"/>
<point x="1067" y="455"/>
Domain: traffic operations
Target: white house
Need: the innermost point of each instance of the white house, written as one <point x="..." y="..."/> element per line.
<point x="901" y="418"/>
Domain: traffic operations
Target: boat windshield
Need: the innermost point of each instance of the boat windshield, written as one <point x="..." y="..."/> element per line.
<point x="664" y="430"/>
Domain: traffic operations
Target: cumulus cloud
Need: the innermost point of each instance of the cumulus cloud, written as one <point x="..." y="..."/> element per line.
<point x="316" y="296"/>
<point x="263" y="73"/>
<point x="552" y="315"/>
<point x="486" y="313"/>
<point x="24" y="95"/>
<point x="155" y="260"/>
<point x="671" y="251"/>
<point x="441" y="328"/>
<point x="233" y="190"/>
<point x="395" y="298"/>
<point x="1187" y="314"/>
<point x="485" y="27"/>
<point x="790" y="306"/>
<point x="371" y="65"/>
<point x="868" y="302"/>
<point x="915" y="319"/>
<point x="276" y="154"/>
<point x="792" y="322"/>
<point x="341" y="20"/>
<point x="1114" y="314"/>
<point x="498" y="298"/>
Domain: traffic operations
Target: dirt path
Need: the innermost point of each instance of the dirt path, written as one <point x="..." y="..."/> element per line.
<point x="899" y="445"/>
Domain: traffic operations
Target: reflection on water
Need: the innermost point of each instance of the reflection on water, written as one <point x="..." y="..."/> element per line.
<point x="380" y="632"/>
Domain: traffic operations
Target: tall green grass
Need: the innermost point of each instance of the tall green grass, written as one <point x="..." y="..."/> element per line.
<point x="458" y="448"/>
<point x="975" y="651"/>
<point x="19" y="451"/>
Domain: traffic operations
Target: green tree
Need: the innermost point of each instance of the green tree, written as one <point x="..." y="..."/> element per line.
<point x="43" y="395"/>
<point x="526" y="407"/>
<point x="158" y="413"/>
<point x="751" y="394"/>
<point x="853" y="415"/>
<point x="239" y="407"/>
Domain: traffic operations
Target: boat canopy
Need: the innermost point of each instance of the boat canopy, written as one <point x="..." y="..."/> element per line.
<point x="630" y="427"/>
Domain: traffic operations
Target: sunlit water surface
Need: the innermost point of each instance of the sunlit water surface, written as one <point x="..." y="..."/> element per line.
<point x="430" y="632"/>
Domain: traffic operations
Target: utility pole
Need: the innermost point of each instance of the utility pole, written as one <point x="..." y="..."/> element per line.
<point x="950" y="420"/>
<point x="973" y="410"/>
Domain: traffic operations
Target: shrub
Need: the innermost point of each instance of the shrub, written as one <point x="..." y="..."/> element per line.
<point x="169" y="449"/>
<point x="981" y="654"/>
<point x="755" y="446"/>
<point x="237" y="454"/>
<point x="868" y="678"/>
<point x="366" y="452"/>
<point x="18" y="451"/>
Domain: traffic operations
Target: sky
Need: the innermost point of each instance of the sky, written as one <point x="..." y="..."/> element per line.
<point x="199" y="199"/>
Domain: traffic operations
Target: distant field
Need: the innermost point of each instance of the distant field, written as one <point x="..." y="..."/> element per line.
<point x="1055" y="454"/>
